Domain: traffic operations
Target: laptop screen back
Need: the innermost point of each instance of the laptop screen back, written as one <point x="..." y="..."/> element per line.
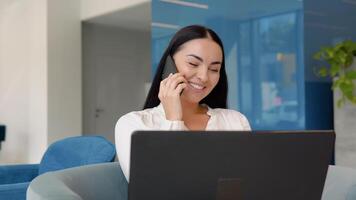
<point x="176" y="165"/>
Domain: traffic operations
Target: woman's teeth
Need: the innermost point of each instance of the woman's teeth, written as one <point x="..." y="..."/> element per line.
<point x="196" y="86"/>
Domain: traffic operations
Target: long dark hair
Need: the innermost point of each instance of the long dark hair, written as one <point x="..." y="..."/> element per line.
<point x="218" y="96"/>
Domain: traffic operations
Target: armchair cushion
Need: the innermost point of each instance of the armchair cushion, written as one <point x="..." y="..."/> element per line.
<point x="97" y="181"/>
<point x="77" y="151"/>
<point x="18" y="173"/>
<point x="340" y="184"/>
<point x="69" y="152"/>
<point x="14" y="191"/>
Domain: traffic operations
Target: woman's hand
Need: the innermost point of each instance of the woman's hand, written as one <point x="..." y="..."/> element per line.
<point x="169" y="94"/>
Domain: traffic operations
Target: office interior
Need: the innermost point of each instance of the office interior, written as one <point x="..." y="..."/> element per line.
<point x="74" y="67"/>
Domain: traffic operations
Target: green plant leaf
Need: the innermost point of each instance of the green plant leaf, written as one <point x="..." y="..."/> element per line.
<point x="334" y="70"/>
<point x="323" y="72"/>
<point x="333" y="61"/>
<point x="351" y="75"/>
<point x="350" y="45"/>
<point x="342" y="57"/>
<point x="339" y="103"/>
<point x="336" y="84"/>
<point x="339" y="45"/>
<point x="347" y="88"/>
<point x="339" y="59"/>
<point x="317" y="55"/>
<point x="353" y="46"/>
<point x="330" y="52"/>
<point x="349" y="60"/>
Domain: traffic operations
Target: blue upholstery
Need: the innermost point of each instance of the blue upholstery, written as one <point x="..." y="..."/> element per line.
<point x="14" y="191"/>
<point x="76" y="151"/>
<point x="17" y="173"/>
<point x="66" y="153"/>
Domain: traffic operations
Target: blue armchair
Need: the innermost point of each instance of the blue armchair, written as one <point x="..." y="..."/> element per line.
<point x="66" y="153"/>
<point x="90" y="182"/>
<point x="106" y="181"/>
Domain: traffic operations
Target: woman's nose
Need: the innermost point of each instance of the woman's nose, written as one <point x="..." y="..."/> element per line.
<point x="203" y="74"/>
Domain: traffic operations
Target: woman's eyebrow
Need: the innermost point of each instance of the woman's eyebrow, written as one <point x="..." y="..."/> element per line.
<point x="215" y="63"/>
<point x="197" y="57"/>
<point x="201" y="60"/>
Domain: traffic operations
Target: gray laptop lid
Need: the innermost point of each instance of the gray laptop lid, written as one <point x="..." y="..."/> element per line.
<point x="172" y="165"/>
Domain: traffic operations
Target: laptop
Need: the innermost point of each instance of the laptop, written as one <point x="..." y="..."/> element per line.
<point x="229" y="165"/>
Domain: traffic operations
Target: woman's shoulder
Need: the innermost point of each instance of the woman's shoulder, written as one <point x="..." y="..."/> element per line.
<point x="227" y="112"/>
<point x="136" y="114"/>
<point x="231" y="116"/>
<point x="138" y="117"/>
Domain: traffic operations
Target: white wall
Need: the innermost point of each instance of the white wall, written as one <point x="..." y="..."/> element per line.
<point x="64" y="69"/>
<point x="23" y="80"/>
<point x="344" y="125"/>
<point x="40" y="71"/>
<point x="40" y="76"/>
<point x="94" y="8"/>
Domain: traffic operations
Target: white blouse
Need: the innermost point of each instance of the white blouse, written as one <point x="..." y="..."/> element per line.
<point x="155" y="119"/>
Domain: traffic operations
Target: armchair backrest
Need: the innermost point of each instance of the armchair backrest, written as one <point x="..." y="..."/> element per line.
<point x="77" y="151"/>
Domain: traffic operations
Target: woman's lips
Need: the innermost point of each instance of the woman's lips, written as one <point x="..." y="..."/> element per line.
<point x="196" y="87"/>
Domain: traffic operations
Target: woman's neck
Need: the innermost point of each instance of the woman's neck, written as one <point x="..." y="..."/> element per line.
<point x="190" y="108"/>
<point x="195" y="116"/>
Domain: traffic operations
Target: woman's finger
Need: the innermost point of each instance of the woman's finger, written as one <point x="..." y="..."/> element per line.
<point x="180" y="88"/>
<point x="173" y="81"/>
<point x="163" y="85"/>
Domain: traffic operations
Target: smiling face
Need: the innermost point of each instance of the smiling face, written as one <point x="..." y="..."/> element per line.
<point x="199" y="61"/>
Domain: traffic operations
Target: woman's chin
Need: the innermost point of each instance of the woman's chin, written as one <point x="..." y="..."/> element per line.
<point x="192" y="98"/>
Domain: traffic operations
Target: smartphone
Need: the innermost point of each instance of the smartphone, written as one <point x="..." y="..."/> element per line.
<point x="169" y="67"/>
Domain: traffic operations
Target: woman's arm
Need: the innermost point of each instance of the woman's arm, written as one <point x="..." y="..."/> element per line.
<point x="132" y="122"/>
<point x="236" y="120"/>
<point x="124" y="128"/>
<point x="245" y="123"/>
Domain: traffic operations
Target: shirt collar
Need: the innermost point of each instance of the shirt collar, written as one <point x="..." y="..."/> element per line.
<point x="210" y="110"/>
<point x="160" y="108"/>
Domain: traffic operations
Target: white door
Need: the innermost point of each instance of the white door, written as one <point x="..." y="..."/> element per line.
<point x="116" y="90"/>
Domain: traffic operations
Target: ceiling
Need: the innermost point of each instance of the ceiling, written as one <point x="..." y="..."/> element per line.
<point x="137" y="17"/>
<point x="231" y="11"/>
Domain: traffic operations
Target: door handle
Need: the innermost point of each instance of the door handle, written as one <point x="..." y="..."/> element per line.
<point x="98" y="111"/>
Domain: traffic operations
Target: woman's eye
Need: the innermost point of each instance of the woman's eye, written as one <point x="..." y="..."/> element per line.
<point x="214" y="70"/>
<point x="193" y="64"/>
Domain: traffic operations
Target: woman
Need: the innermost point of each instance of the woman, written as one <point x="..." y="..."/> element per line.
<point x="194" y="98"/>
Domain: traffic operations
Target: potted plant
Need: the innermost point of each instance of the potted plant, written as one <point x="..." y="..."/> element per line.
<point x="340" y="65"/>
<point x="339" y="59"/>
